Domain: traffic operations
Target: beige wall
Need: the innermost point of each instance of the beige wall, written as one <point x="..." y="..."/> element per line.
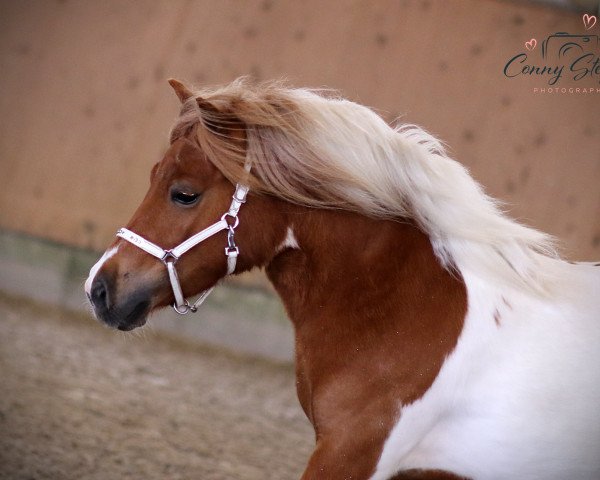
<point x="85" y="108"/>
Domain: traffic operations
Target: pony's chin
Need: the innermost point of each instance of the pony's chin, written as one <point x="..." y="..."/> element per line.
<point x="135" y="318"/>
<point x="127" y="327"/>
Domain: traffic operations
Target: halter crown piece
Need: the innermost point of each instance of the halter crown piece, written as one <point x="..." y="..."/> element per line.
<point x="170" y="257"/>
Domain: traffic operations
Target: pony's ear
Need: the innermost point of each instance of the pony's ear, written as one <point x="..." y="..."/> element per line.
<point x="182" y="92"/>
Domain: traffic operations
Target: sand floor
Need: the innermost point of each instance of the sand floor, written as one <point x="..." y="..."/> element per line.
<point x="80" y="401"/>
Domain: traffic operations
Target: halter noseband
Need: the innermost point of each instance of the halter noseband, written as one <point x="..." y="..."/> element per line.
<point x="170" y="257"/>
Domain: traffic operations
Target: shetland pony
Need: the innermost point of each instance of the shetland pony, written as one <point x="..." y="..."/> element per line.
<point x="435" y="337"/>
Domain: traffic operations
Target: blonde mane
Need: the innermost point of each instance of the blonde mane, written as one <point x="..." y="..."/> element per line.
<point x="317" y="149"/>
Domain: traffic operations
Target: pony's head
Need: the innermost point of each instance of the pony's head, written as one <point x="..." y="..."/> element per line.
<point x="187" y="194"/>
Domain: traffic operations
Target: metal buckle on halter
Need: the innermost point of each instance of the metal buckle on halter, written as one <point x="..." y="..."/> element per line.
<point x="169" y="255"/>
<point x="237" y="199"/>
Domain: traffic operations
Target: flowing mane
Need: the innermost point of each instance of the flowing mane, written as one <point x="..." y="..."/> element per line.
<point x="317" y="149"/>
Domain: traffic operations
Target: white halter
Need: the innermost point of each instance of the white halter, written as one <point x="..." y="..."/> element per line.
<point x="170" y="257"/>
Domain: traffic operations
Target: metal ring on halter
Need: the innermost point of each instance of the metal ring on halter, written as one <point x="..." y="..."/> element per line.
<point x="169" y="256"/>
<point x="235" y="223"/>
<point x="186" y="308"/>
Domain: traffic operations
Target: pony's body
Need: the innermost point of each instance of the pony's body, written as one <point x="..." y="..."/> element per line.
<point x="435" y="337"/>
<point x="518" y="397"/>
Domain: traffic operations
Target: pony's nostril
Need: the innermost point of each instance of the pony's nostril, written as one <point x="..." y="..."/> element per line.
<point x="99" y="293"/>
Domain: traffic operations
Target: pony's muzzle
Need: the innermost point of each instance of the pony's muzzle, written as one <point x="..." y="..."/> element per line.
<point x="125" y="314"/>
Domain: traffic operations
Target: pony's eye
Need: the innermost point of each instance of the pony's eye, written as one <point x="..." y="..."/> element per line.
<point x="184" y="198"/>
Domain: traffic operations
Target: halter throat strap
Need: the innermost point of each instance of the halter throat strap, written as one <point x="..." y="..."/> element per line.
<point x="229" y="221"/>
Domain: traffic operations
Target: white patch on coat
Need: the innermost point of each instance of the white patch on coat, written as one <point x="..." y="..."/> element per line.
<point x="518" y="400"/>
<point x="97" y="267"/>
<point x="290" y="241"/>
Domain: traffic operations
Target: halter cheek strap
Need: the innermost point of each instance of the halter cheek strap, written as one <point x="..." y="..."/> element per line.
<point x="170" y="257"/>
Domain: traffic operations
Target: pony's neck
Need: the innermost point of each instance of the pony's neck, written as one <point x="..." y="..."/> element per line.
<point x="367" y="299"/>
<point x="347" y="266"/>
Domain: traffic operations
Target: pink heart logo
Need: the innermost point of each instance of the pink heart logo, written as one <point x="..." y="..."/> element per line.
<point x="589" y="21"/>
<point x="531" y="44"/>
